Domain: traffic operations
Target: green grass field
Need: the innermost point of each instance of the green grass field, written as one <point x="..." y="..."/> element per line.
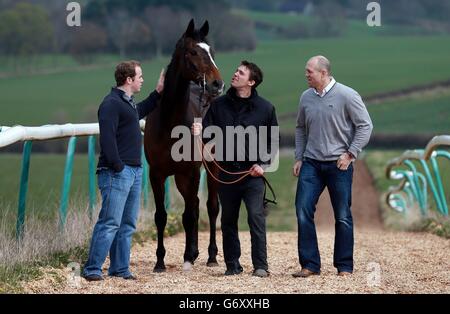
<point x="425" y="114"/>
<point x="428" y="114"/>
<point x="48" y="63"/>
<point x="45" y="182"/>
<point x="369" y="65"/>
<point x="363" y="58"/>
<point x="46" y="175"/>
<point x="352" y="28"/>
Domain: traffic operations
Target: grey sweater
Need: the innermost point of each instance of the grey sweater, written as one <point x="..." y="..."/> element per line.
<point x="328" y="127"/>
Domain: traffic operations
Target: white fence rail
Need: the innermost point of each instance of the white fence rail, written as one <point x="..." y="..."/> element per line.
<point x="18" y="133"/>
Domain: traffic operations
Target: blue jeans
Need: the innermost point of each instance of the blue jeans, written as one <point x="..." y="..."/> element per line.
<point x="314" y="177"/>
<point x="116" y="222"/>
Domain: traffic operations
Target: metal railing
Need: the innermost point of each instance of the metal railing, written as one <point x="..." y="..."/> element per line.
<point x="415" y="185"/>
<point x="11" y="135"/>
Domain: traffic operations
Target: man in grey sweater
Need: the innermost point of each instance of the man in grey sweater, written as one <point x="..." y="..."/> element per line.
<point x="333" y="126"/>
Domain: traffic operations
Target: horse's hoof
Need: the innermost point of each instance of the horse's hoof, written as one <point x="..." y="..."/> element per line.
<point x="212" y="264"/>
<point x="159" y="269"/>
<point x="187" y="266"/>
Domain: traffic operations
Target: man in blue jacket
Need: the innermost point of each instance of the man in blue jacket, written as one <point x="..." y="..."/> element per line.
<point x="119" y="172"/>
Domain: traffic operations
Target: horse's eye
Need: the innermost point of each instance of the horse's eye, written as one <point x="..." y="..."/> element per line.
<point x="193" y="52"/>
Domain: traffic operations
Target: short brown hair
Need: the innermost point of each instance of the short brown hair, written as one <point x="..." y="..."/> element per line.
<point x="255" y="72"/>
<point x="124" y="70"/>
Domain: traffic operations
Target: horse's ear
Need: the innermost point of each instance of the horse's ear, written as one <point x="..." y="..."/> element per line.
<point x="190" y="29"/>
<point x="205" y="29"/>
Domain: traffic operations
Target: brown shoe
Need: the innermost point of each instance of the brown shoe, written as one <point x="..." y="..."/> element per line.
<point x="304" y="273"/>
<point x="344" y="273"/>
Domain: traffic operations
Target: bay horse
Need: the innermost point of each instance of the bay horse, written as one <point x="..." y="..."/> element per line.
<point x="191" y="61"/>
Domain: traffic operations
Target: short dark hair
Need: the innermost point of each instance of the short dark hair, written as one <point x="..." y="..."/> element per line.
<point x="255" y="72"/>
<point x="124" y="70"/>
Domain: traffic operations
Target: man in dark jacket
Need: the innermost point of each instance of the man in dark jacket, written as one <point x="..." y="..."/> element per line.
<point x="119" y="172"/>
<point x="243" y="109"/>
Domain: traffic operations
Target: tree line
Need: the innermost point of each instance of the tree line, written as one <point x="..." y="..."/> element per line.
<point x="139" y="28"/>
<point x="149" y="28"/>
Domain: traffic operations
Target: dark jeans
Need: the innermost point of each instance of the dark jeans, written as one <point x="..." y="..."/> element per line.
<point x="314" y="177"/>
<point x="251" y="191"/>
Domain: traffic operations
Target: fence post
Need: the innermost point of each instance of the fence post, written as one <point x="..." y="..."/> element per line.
<point x="432" y="186"/>
<point x="202" y="180"/>
<point x="23" y="189"/>
<point x="442" y="153"/>
<point x="440" y="187"/>
<point x="413" y="168"/>
<point x="66" y="183"/>
<point x="92" y="195"/>
<point x="167" y="194"/>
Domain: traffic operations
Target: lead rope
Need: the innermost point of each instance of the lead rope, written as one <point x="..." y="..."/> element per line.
<point x="201" y="147"/>
<point x="245" y="173"/>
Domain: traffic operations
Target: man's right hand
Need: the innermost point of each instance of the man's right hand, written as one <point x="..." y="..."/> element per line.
<point x="196" y="128"/>
<point x="160" y="85"/>
<point x="296" y="168"/>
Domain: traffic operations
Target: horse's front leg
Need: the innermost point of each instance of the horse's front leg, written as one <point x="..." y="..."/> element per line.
<point x="188" y="185"/>
<point x="160" y="220"/>
<point x="213" y="211"/>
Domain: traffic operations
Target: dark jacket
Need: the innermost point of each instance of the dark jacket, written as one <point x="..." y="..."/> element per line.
<point x="231" y="110"/>
<point x="120" y="133"/>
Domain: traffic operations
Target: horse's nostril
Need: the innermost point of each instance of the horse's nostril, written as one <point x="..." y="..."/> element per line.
<point x="217" y="83"/>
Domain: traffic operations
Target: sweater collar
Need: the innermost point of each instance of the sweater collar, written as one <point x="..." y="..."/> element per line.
<point x="327" y="88"/>
<point x="124" y="96"/>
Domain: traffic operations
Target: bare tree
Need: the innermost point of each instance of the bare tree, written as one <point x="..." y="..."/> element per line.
<point x="125" y="30"/>
<point x="166" y="26"/>
<point x="331" y="19"/>
<point x="89" y="39"/>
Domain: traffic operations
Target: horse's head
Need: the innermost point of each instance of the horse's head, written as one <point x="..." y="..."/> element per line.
<point x="197" y="60"/>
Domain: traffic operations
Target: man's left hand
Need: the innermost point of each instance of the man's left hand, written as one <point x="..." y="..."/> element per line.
<point x="256" y="171"/>
<point x="344" y="161"/>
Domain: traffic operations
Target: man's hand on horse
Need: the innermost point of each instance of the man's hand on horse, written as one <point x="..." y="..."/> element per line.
<point x="196" y="128"/>
<point x="160" y="85"/>
<point x="256" y="171"/>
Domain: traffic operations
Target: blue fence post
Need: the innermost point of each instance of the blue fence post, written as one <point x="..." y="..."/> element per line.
<point x="445" y="154"/>
<point x="66" y="183"/>
<point x="167" y="194"/>
<point x="92" y="169"/>
<point x="440" y="188"/>
<point x="432" y="185"/>
<point x="202" y="180"/>
<point x="23" y="189"/>
<point x="413" y="168"/>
